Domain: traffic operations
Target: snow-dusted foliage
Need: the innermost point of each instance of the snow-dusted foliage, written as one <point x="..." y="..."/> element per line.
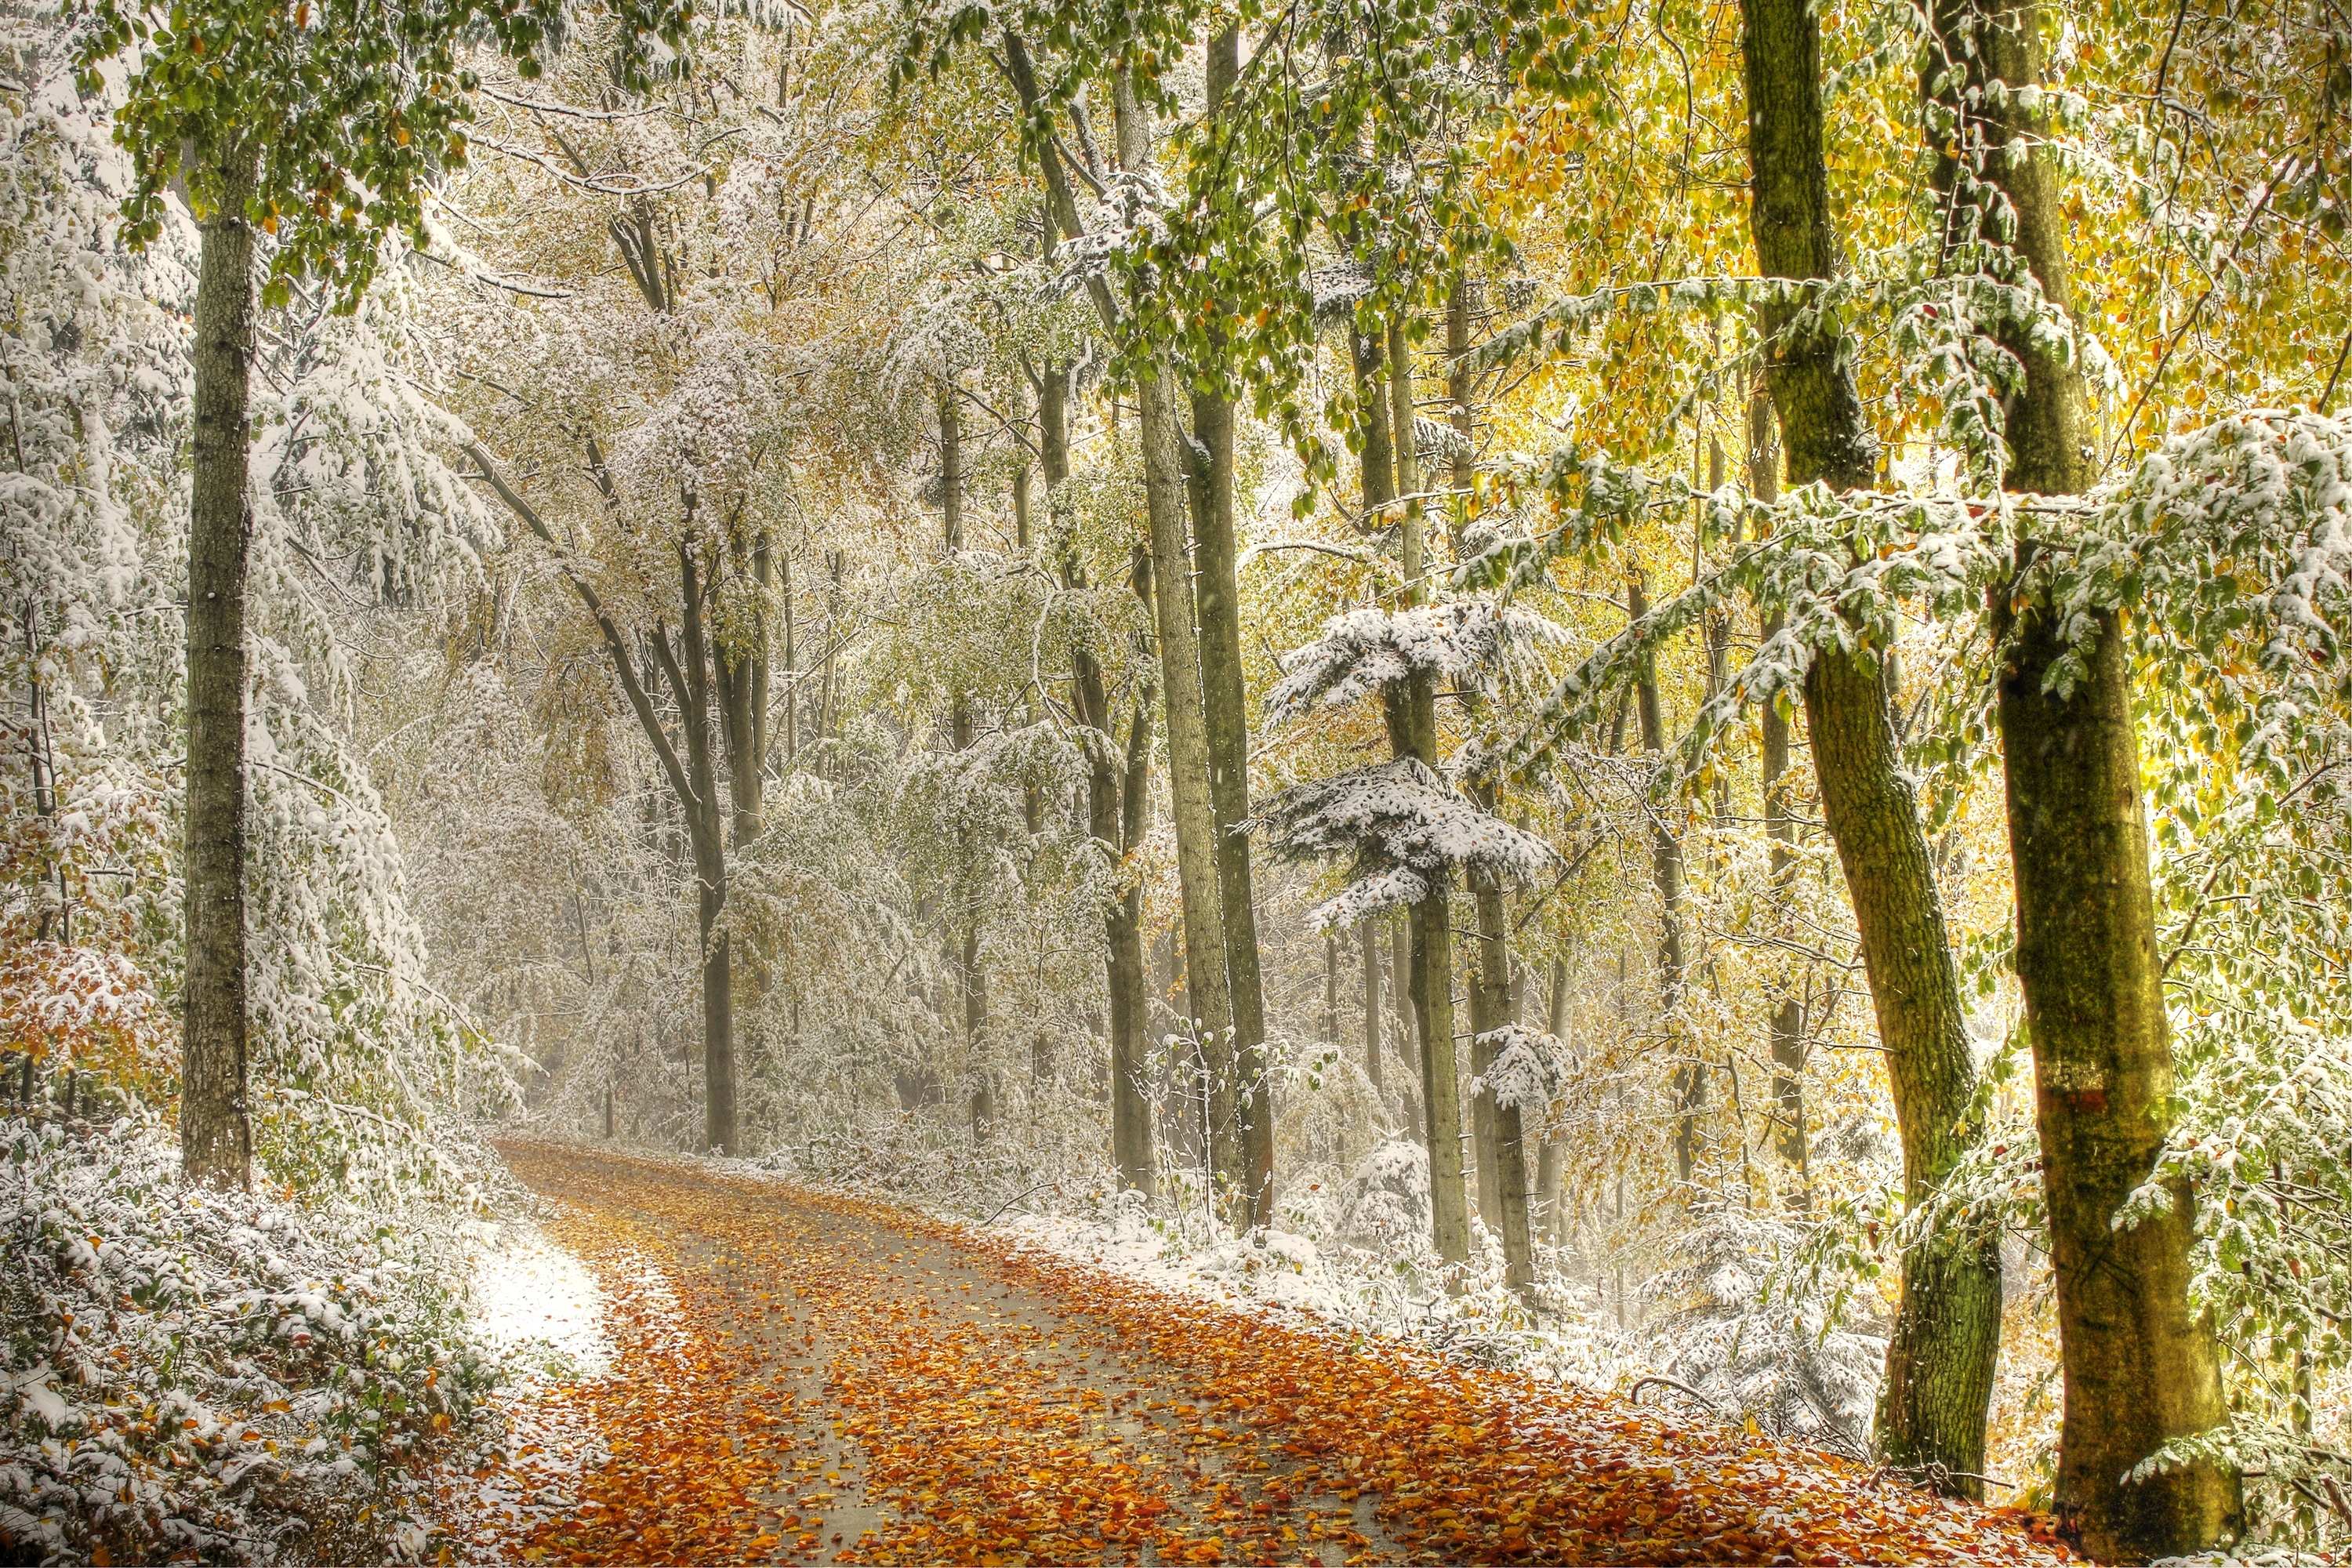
<point x="221" y="1377"/>
<point x="1797" y="1364"/>
<point x="1524" y="1072"/>
<point x="358" y="1069"/>
<point x="1476" y="644"/>
<point x="1399" y="826"/>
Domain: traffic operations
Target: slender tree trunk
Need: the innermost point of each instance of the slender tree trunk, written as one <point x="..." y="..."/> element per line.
<point x="1379" y="461"/>
<point x="1248" y="1167"/>
<point x="1368" y="935"/>
<point x="1947" y="1329"/>
<point x="1330" y="987"/>
<point x="216" y="1127"/>
<point x="1122" y="918"/>
<point x="1785" y="1030"/>
<point x="1132" y="1115"/>
<point x="688" y="675"/>
<point x="951" y="467"/>
<point x="1490" y="1009"/>
<point x="1550" y="1176"/>
<point x="1115" y="817"/>
<point x="1412" y="725"/>
<point x="1197" y="869"/>
<point x="2140" y="1369"/>
<point x="1408" y="1024"/>
<point x="1690" y="1076"/>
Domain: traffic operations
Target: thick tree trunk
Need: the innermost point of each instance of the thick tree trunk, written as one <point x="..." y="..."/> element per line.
<point x="1947" y="1329"/>
<point x="215" y="1126"/>
<point x="2139" y="1368"/>
<point x="1249" y="1167"/>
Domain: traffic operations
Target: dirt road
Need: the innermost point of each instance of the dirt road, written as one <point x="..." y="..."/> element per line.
<point x="805" y="1378"/>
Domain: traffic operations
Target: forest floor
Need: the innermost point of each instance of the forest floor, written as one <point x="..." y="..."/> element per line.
<point x="800" y="1376"/>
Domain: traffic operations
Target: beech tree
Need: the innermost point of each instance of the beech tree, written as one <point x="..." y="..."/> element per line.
<point x="322" y="130"/>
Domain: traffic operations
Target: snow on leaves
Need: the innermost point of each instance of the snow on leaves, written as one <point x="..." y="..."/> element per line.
<point x="1401" y="825"/>
<point x="1525" y="1071"/>
<point x="1474" y="643"/>
<point x="210" y="1375"/>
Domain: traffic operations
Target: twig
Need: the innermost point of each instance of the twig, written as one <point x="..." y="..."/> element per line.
<point x="1017" y="1197"/>
<point x="1633" y="1395"/>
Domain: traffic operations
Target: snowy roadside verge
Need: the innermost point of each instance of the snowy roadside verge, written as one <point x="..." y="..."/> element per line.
<point x="233" y="1376"/>
<point x="546" y="1315"/>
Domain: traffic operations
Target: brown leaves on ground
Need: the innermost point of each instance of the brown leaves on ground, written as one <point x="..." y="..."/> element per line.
<point x="842" y="1380"/>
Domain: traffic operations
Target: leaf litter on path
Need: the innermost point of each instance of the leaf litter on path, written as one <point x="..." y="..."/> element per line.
<point x="811" y="1377"/>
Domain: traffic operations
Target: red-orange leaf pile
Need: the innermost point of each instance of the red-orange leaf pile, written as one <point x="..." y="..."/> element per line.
<point x="849" y="1380"/>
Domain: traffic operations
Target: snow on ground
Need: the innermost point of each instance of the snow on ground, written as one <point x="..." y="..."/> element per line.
<point x="538" y="1303"/>
<point x="550" y="1317"/>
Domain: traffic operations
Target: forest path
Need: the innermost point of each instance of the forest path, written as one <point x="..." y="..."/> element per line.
<point x="804" y="1377"/>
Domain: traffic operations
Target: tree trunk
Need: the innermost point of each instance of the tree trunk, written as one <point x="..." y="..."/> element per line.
<point x="687" y="671"/>
<point x="1550" y="1175"/>
<point x="951" y="467"/>
<point x="1122" y="918"/>
<point x="1490" y="1009"/>
<point x="1379" y="461"/>
<point x="1688" y="1077"/>
<point x="1368" y="935"/>
<point x="1785" y="1030"/>
<point x="2139" y="1368"/>
<point x="975" y="1032"/>
<point x="1249" y="1168"/>
<point x="215" y="1126"/>
<point x="1197" y="868"/>
<point x="1412" y="727"/>
<point x="1131" y="1109"/>
<point x="1115" y="817"/>
<point x="1330" y="988"/>
<point x="1947" y="1330"/>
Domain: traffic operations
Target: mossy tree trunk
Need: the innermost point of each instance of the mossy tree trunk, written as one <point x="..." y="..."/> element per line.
<point x="2141" y="1368"/>
<point x="1947" y="1332"/>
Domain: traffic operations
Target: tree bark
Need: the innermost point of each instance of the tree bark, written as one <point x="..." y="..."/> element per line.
<point x="1369" y="936"/>
<point x="1115" y="817"/>
<point x="1249" y="1166"/>
<point x="1490" y="1009"/>
<point x="687" y="671"/>
<point x="1947" y="1329"/>
<point x="215" y="1125"/>
<point x="951" y="467"/>
<point x="2139" y="1368"/>
<point x="1412" y="726"/>
<point x="1131" y="1109"/>
<point x="1688" y="1077"/>
<point x="1197" y="861"/>
<point x="1785" y="1030"/>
